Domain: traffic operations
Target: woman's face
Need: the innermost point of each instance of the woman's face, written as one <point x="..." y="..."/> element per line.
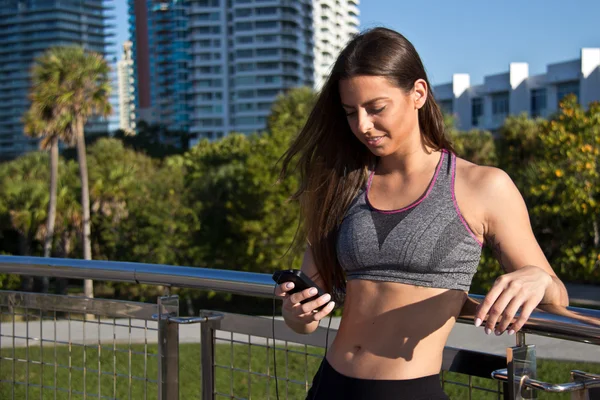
<point x="383" y="117"/>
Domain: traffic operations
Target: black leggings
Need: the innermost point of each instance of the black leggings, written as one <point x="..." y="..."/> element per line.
<point x="328" y="384"/>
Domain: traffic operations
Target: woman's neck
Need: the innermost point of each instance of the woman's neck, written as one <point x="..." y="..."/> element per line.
<point x="407" y="160"/>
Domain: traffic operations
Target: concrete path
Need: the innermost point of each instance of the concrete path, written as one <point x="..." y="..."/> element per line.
<point x="463" y="336"/>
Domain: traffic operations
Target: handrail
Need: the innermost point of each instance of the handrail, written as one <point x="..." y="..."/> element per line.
<point x="570" y="323"/>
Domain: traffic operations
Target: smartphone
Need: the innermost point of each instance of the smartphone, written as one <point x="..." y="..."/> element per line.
<point x="301" y="282"/>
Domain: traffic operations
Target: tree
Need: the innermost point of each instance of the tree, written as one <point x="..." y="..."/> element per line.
<point x="43" y="120"/>
<point x="154" y="140"/>
<point x="81" y="91"/>
<point x="518" y="146"/>
<point x="23" y="207"/>
<point x="475" y="145"/>
<point x="246" y="219"/>
<point x="564" y="189"/>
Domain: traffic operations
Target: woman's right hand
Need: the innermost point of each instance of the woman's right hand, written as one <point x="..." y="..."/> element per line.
<point x="296" y="313"/>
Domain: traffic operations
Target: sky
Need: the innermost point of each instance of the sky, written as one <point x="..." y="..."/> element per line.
<point x="477" y="37"/>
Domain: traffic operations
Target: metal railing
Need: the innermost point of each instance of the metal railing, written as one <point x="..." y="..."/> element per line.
<point x="49" y="345"/>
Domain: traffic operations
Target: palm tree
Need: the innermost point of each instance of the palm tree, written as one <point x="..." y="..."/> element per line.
<point x="42" y="120"/>
<point x="80" y="89"/>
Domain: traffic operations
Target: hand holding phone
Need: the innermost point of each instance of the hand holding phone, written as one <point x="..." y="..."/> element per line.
<point x="301" y="282"/>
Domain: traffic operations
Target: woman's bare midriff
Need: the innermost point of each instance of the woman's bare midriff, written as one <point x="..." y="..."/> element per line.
<point x="393" y="331"/>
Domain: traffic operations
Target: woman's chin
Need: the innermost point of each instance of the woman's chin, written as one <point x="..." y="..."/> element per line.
<point x="379" y="151"/>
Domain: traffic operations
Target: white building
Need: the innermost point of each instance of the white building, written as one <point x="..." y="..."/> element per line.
<point x="245" y="54"/>
<point x="126" y="90"/>
<point x="514" y="92"/>
<point x="334" y="24"/>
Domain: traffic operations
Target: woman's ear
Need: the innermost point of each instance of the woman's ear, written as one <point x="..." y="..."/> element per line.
<point x="420" y="91"/>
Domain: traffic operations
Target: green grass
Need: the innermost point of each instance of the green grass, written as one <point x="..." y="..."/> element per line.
<point x="114" y="380"/>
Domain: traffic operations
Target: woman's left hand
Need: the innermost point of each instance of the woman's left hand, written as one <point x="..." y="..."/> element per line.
<point x="523" y="288"/>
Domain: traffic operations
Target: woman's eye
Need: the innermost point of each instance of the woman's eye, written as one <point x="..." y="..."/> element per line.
<point x="372" y="111"/>
<point x="378" y="110"/>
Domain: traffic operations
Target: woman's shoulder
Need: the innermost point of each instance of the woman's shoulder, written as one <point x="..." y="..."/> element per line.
<point x="482" y="182"/>
<point x="481" y="176"/>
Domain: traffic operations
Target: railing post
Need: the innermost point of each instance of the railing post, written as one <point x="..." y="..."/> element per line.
<point x="207" y="337"/>
<point x="168" y="348"/>
<point x="521" y="364"/>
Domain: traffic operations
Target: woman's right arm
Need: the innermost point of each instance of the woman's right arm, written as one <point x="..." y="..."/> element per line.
<point x="300" y="317"/>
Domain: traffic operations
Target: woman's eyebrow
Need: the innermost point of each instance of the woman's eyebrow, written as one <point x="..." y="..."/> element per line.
<point x="367" y="102"/>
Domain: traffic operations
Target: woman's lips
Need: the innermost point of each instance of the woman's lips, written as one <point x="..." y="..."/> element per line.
<point x="374" y="141"/>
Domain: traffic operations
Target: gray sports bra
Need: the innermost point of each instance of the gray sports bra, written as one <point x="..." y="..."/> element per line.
<point x="425" y="244"/>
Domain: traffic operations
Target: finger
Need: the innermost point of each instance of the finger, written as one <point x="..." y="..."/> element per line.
<point x="325" y="311"/>
<point x="305" y="294"/>
<point x="509" y="313"/>
<point x="311" y="305"/>
<point x="526" y="311"/>
<point x="281" y="290"/>
<point x="488" y="301"/>
<point x="496" y="310"/>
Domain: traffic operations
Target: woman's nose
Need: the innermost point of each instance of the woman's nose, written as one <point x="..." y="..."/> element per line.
<point x="364" y="123"/>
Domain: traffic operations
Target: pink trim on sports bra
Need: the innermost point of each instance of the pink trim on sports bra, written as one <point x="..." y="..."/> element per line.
<point x="453" y="173"/>
<point x="417" y="202"/>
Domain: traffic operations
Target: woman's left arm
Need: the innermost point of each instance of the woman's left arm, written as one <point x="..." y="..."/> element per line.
<point x="529" y="279"/>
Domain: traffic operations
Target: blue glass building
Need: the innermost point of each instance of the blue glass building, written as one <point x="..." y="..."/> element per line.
<point x="27" y="29"/>
<point x="159" y="32"/>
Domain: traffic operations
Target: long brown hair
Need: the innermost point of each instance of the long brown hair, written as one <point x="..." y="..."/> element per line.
<point x="333" y="163"/>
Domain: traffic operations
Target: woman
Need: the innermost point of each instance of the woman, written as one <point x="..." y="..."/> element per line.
<point x="390" y="209"/>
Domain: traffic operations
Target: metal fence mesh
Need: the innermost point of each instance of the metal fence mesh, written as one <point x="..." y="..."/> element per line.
<point x="462" y="386"/>
<point x="50" y="354"/>
<point x="245" y="367"/>
<point x="63" y="355"/>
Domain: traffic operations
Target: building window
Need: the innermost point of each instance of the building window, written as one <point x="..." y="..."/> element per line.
<point x="476" y="110"/>
<point x="500" y="104"/>
<point x="267" y="65"/>
<point x="245" y="94"/>
<point x="245" y="107"/>
<point x="243" y="26"/>
<point x="268" y="79"/>
<point x="266" y="11"/>
<point x="266" y="38"/>
<point x="246" y="53"/>
<point x="245" y="39"/>
<point x="267" y="92"/>
<point x="243" y="12"/>
<point x="214" y="16"/>
<point x="207" y="3"/>
<point x="266" y="24"/>
<point x="245" y="67"/>
<point x="538" y="102"/>
<point x="563" y="89"/>
<point x="267" y="52"/>
<point x="245" y="80"/>
<point x="245" y="120"/>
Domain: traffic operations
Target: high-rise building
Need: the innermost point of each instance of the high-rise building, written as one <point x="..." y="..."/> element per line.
<point x="126" y="90"/>
<point x="235" y="56"/>
<point x="27" y="29"/>
<point x="114" y="120"/>
<point x="335" y="22"/>
<point x="162" y="61"/>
